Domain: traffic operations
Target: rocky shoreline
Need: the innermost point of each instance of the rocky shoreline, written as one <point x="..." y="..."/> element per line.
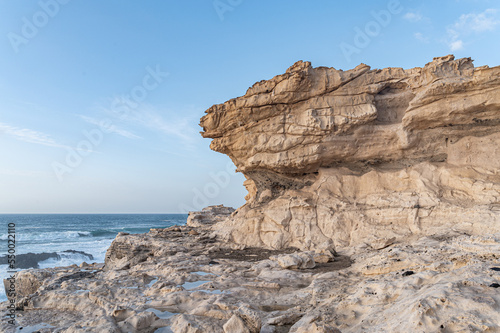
<point x="183" y="279"/>
<point x="373" y="206"/>
<point x="31" y="260"/>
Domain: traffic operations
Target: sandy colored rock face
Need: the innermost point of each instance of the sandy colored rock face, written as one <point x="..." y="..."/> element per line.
<point x="363" y="156"/>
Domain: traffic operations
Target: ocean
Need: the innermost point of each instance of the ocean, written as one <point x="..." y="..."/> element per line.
<point x="66" y="239"/>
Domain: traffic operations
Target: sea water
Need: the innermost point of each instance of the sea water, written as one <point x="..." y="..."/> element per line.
<point x="74" y="238"/>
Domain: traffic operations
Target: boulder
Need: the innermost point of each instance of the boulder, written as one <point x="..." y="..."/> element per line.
<point x="208" y="216"/>
<point x="295" y="260"/>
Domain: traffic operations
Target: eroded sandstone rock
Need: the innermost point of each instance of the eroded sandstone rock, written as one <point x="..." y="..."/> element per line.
<point x="302" y="260"/>
<point x="209" y="215"/>
<point x="188" y="284"/>
<point x="363" y="156"/>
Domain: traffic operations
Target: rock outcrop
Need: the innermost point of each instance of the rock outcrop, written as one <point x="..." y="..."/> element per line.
<point x="195" y="283"/>
<point x="363" y="156"/>
<point x="209" y="215"/>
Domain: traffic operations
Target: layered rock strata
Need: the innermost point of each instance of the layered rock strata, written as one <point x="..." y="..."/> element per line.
<point x="363" y="156"/>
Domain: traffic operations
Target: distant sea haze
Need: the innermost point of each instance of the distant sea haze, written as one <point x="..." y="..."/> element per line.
<point x="66" y="239"/>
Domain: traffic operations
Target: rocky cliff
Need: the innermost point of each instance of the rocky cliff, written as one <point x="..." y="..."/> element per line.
<point x="342" y="158"/>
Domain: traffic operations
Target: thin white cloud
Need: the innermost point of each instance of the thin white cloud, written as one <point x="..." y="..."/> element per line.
<point x="111" y="129"/>
<point x="456" y="45"/>
<point x="419" y="36"/>
<point x="152" y="119"/>
<point x="485" y="21"/>
<point x="35" y="137"/>
<point x="28" y="135"/>
<point x="471" y="23"/>
<point x="413" y="17"/>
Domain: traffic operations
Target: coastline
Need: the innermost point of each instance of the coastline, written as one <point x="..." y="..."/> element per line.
<point x="55" y="240"/>
<point x="183" y="279"/>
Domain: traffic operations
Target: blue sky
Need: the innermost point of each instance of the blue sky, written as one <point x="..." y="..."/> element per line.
<point x="100" y="100"/>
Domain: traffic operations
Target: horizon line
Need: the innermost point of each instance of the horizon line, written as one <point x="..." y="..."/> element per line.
<point x="93" y="213"/>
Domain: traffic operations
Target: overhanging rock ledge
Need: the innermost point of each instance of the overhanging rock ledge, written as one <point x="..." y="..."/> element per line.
<point x="362" y="156"/>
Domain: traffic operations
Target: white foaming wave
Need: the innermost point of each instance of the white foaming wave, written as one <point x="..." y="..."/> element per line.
<point x="3" y="275"/>
<point x="96" y="248"/>
<point x="58" y="235"/>
<point x="64" y="261"/>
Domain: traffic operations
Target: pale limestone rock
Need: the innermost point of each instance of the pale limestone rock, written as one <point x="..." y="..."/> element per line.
<point x="142" y="320"/>
<point x="324" y="253"/>
<point x="182" y="324"/>
<point x="302" y="325"/>
<point x="208" y="216"/>
<point x="268" y="329"/>
<point x="316" y="328"/>
<point x="363" y="156"/>
<point x="284" y="319"/>
<point x="194" y="324"/>
<point x="382" y="243"/>
<point x="251" y="318"/>
<point x="322" y="258"/>
<point x="302" y="260"/>
<point x="235" y="325"/>
<point x="309" y="324"/>
<point x="122" y="314"/>
<point x="27" y="282"/>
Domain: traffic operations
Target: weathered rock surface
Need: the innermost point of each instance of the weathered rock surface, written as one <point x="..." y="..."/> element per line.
<point x="363" y="156"/>
<point x="295" y="261"/>
<point x="209" y="215"/>
<point x="187" y="283"/>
